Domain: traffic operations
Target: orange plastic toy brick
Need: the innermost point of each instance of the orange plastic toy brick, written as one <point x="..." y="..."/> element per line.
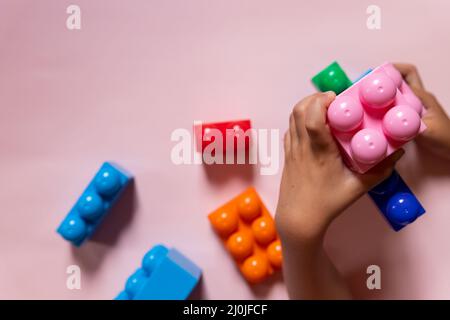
<point x="248" y="232"/>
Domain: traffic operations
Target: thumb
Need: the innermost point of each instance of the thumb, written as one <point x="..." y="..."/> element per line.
<point x="316" y="120"/>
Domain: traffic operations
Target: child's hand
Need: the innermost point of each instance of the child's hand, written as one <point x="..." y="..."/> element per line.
<point x="316" y="185"/>
<point x="437" y="136"/>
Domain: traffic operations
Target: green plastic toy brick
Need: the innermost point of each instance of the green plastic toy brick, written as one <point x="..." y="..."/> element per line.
<point x="332" y="78"/>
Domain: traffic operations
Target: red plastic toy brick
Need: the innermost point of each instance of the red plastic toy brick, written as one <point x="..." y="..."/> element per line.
<point x="229" y="130"/>
<point x="375" y="117"/>
<point x="248" y="232"/>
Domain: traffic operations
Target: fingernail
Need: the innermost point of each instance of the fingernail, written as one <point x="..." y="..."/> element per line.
<point x="330" y="94"/>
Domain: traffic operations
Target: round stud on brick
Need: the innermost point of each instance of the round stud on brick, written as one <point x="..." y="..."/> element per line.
<point x="402" y="209"/>
<point x="401" y="123"/>
<point x="332" y="78"/>
<point x="225" y="222"/>
<point x="107" y="182"/>
<point x="153" y="258"/>
<point x="368" y="146"/>
<point x="255" y="268"/>
<point x="207" y="134"/>
<point x="90" y="206"/>
<point x="377" y="91"/>
<point x="240" y="245"/>
<point x="249" y="207"/>
<point x="345" y="114"/>
<point x="135" y="282"/>
<point x="236" y="131"/>
<point x="264" y="230"/>
<point x="274" y="254"/>
<point x="394" y="74"/>
<point x="73" y="229"/>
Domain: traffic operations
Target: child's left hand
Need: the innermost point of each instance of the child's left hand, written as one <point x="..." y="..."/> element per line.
<point x="316" y="185"/>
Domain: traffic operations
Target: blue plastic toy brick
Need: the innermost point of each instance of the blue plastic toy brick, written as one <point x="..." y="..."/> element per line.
<point x="396" y="201"/>
<point x="94" y="204"/>
<point x="165" y="275"/>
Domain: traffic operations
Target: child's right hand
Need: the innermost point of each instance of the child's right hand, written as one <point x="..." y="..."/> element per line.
<point x="437" y="136"/>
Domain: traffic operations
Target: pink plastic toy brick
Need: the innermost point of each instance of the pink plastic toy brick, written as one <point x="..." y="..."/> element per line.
<point x="375" y="117"/>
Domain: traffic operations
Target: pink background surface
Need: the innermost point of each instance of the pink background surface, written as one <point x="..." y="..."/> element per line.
<point x="139" y="69"/>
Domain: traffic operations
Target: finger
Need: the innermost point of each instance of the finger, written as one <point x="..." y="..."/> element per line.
<point x="410" y="74"/>
<point x="428" y="100"/>
<point x="298" y="115"/>
<point x="316" y="120"/>
<point x="293" y="138"/>
<point x="381" y="171"/>
<point x="287" y="143"/>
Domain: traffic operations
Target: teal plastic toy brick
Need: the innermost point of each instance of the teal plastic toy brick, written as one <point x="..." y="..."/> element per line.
<point x="164" y="275"/>
<point x="365" y="73"/>
<point x="332" y="78"/>
<point x="94" y="204"/>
